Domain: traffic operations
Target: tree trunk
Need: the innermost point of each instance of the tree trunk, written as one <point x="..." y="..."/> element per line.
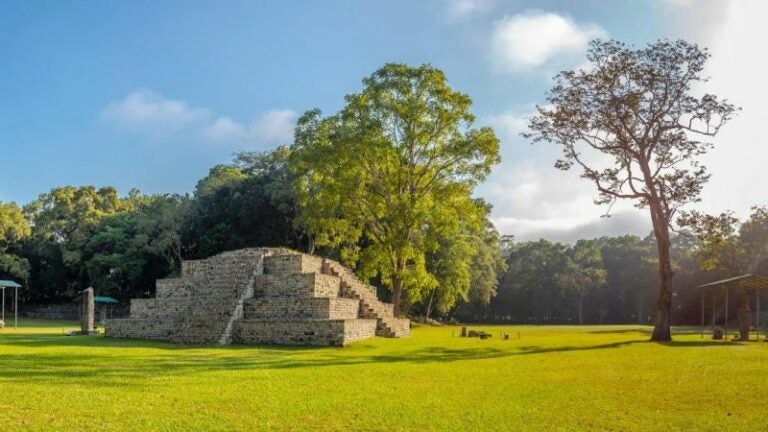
<point x="581" y="308"/>
<point x="662" y="331"/>
<point x="397" y="289"/>
<point x="429" y="304"/>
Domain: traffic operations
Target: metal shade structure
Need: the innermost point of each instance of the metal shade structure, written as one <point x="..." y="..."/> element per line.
<point x="103" y="299"/>
<point x="746" y="283"/>
<point x="11" y="284"/>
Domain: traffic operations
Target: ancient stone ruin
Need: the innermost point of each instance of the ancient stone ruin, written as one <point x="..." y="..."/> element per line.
<point x="261" y="296"/>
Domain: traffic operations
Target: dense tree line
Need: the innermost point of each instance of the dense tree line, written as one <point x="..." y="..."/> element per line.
<point x="613" y="279"/>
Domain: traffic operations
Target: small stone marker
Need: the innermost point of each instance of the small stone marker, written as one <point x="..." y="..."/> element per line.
<point x="86" y="323"/>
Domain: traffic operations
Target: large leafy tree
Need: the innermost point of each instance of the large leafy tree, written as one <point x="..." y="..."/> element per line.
<point x="63" y="221"/>
<point x="392" y="173"/>
<point x="637" y="107"/>
<point x="14" y="229"/>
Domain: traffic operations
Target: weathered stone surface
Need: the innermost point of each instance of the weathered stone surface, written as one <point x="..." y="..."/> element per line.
<point x="264" y="296"/>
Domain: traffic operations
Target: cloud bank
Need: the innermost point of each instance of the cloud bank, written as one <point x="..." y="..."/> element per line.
<point x="149" y="112"/>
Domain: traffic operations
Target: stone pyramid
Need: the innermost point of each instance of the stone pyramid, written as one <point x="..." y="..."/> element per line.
<point x="261" y="296"/>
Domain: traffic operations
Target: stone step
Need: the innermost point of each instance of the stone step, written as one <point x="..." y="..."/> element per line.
<point x="297" y="285"/>
<point x="292" y="263"/>
<point x="303" y="332"/>
<point x="300" y="308"/>
<point x="370" y="306"/>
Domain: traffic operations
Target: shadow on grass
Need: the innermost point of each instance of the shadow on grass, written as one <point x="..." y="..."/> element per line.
<point x="642" y="330"/>
<point x="127" y="365"/>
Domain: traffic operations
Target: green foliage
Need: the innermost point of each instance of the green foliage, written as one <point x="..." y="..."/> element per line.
<point x="631" y="278"/>
<point x="250" y="203"/>
<point x="14" y="230"/>
<point x="68" y="215"/>
<point x="583" y="271"/>
<point x="392" y="173"/>
<point x="531" y="289"/>
<point x="129" y="250"/>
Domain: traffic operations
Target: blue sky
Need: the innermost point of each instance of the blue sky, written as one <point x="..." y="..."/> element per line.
<point x="152" y="94"/>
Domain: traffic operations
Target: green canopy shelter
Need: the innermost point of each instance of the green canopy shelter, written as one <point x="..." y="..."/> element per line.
<point x="104" y="305"/>
<point x="11" y="284"/>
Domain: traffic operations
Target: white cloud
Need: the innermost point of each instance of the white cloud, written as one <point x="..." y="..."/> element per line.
<point x="738" y="163"/>
<point x="535" y="38"/>
<point x="273" y="127"/>
<point x="224" y="129"/>
<point x="460" y="9"/>
<point x="531" y="199"/>
<point x="149" y="112"/>
<point x="696" y="20"/>
<point x="145" y="109"/>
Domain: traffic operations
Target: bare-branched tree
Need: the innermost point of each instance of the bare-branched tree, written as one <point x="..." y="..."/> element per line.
<point x="639" y="108"/>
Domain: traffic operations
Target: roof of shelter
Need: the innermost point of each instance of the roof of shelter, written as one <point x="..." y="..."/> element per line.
<point x="748" y="281"/>
<point x="9" y="284"/>
<point x="103" y="299"/>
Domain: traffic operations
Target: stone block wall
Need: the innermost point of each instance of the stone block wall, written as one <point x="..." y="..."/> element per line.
<point x="297" y="285"/>
<point x="304" y="332"/>
<point x="304" y="308"/>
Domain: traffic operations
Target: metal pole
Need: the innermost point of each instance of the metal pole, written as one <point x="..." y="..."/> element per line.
<point x="15" y="307"/>
<point x="702" y="314"/>
<point x="757" y="327"/>
<point x="726" y="315"/>
<point x="713" y="311"/>
<point x="3" y="305"/>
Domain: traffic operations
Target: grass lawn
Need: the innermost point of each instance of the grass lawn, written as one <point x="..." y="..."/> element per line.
<point x="552" y="378"/>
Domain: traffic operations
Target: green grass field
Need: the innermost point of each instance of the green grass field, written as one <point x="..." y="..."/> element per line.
<point x="552" y="378"/>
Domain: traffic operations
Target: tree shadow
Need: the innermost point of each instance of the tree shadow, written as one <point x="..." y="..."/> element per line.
<point x="622" y="331"/>
<point x="94" y="362"/>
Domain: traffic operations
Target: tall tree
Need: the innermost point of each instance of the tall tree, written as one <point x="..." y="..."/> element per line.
<point x="63" y="220"/>
<point x="583" y="272"/>
<point x="531" y="289"/>
<point x="391" y="173"/>
<point x="637" y="107"/>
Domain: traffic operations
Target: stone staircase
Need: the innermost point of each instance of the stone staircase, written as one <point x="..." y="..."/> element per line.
<point x="261" y="296"/>
<point x="370" y="306"/>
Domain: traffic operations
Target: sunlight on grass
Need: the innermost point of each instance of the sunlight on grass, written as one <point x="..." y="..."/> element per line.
<point x="551" y="378"/>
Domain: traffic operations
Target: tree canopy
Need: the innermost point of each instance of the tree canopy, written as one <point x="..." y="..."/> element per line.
<point x="392" y="173"/>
